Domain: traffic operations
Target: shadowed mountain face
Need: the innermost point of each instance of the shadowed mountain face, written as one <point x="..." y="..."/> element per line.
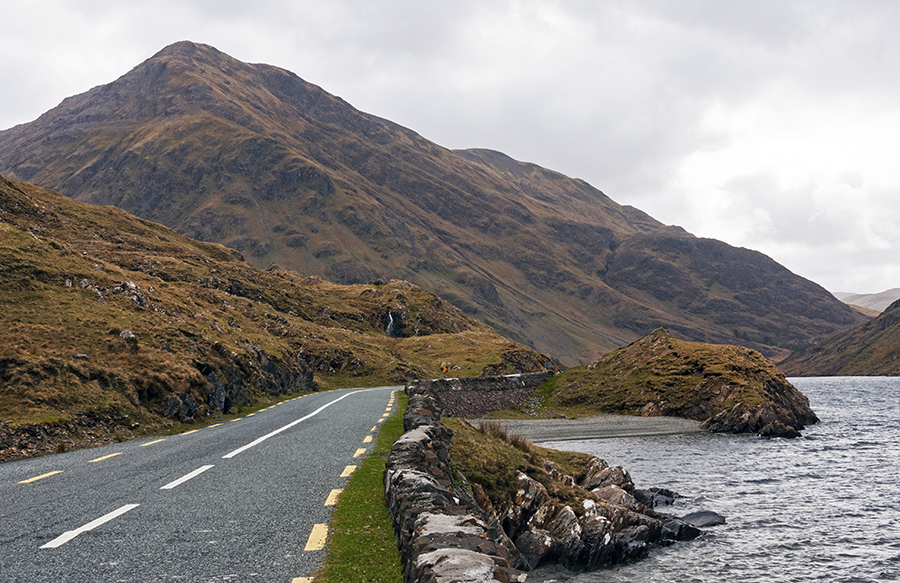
<point x="253" y="157"/>
<point x="870" y="349"/>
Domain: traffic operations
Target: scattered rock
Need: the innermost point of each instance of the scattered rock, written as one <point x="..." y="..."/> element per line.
<point x="704" y="518"/>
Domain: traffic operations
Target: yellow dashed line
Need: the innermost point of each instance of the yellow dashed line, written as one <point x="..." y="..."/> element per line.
<point x="333" y="497"/>
<point x="152" y="442"/>
<point x="216" y="425"/>
<point x="250" y="414"/>
<point x="191" y="431"/>
<point x="317" y="538"/>
<point x="347" y="471"/>
<point x="374" y="428"/>
<point x="238" y="419"/>
<point x="359" y="452"/>
<point x="302" y="580"/>
<point x="388" y="410"/>
<point x="41" y="477"/>
<point x="368" y="439"/>
<point x="106" y="457"/>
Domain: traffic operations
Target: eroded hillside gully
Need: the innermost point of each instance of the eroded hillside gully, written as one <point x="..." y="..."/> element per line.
<point x="451" y="530"/>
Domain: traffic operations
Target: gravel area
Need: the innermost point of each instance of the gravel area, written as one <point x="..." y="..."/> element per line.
<point x="599" y="427"/>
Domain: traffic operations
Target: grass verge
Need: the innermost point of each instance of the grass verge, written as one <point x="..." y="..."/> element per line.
<point x="361" y="545"/>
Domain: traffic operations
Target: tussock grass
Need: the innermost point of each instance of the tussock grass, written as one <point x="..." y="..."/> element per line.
<point x="497" y="430"/>
<point x="492" y="459"/>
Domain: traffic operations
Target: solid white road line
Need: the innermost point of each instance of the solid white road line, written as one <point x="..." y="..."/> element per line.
<point x="67" y="536"/>
<point x="289" y="425"/>
<point x="185" y="478"/>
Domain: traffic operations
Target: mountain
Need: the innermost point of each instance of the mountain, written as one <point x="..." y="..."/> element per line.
<point x="878" y="302"/>
<point x="112" y="324"/>
<point x="253" y="157"/>
<point x="868" y="350"/>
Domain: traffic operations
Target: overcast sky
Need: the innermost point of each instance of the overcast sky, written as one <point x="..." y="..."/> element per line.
<point x="768" y="124"/>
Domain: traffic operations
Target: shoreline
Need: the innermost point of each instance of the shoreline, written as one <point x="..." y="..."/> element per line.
<point x="598" y="427"/>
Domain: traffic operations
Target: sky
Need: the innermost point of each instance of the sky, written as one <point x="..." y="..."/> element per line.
<point x="766" y="124"/>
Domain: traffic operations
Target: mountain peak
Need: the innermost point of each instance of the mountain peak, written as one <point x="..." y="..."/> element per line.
<point x="253" y="157"/>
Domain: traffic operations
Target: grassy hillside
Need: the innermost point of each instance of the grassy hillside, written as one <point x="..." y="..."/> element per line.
<point x="103" y="316"/>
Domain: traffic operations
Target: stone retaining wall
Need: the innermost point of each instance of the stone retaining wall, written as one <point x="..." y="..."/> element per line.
<point x="446" y="536"/>
<point x="473" y="397"/>
<point x="442" y="532"/>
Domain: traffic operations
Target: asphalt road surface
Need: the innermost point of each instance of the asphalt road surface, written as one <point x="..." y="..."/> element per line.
<point x="238" y="501"/>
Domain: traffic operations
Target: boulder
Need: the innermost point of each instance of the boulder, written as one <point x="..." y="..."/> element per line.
<point x="704" y="518"/>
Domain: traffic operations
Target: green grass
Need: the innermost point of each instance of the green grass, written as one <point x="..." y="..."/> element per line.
<point x="361" y="545"/>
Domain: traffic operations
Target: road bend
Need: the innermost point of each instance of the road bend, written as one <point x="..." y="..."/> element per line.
<point x="241" y="500"/>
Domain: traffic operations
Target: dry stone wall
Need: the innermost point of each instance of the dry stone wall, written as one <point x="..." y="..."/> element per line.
<point x="446" y="536"/>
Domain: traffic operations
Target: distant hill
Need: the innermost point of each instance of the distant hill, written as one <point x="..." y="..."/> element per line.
<point x="878" y="302"/>
<point x="870" y="349"/>
<point x="111" y="321"/>
<point x="255" y="158"/>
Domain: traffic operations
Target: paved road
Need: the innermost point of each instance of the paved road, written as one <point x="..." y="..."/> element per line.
<point x="238" y="501"/>
<point x="598" y="427"/>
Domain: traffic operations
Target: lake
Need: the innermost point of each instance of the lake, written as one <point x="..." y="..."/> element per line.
<point x="823" y="507"/>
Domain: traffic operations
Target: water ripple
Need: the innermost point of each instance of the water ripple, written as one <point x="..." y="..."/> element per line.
<point x="819" y="508"/>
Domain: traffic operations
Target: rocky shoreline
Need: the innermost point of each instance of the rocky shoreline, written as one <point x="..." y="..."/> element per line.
<point x="449" y="530"/>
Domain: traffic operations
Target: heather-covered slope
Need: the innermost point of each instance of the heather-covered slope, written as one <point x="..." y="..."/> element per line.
<point x="729" y="388"/>
<point x="868" y="350"/>
<point x="255" y="158"/>
<point x="109" y="320"/>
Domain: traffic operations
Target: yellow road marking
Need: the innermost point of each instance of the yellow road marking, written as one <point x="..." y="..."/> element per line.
<point x="368" y="439"/>
<point x="380" y="420"/>
<point x="152" y="442"/>
<point x="333" y="497"/>
<point x="191" y="431"/>
<point x="238" y="419"/>
<point x="359" y="452"/>
<point x="216" y="425"/>
<point x="41" y="477"/>
<point x="317" y="538"/>
<point x="302" y="580"/>
<point x="388" y="410"/>
<point x="106" y="457"/>
<point x="250" y="414"/>
<point x="347" y="471"/>
<point x="374" y="428"/>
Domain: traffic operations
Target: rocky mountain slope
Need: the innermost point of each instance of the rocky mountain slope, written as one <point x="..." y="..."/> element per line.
<point x="110" y="324"/>
<point x="255" y="158"/>
<point x="870" y="349"/>
<point x="729" y="388"/>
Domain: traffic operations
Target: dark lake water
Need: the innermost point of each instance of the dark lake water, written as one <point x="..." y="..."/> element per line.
<point x="824" y="507"/>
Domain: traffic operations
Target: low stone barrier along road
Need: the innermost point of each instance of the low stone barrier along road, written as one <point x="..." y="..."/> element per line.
<point x="247" y="499"/>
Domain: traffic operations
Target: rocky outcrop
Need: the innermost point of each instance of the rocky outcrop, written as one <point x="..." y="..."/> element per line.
<point x="229" y="375"/>
<point x="450" y="531"/>
<point x="729" y="389"/>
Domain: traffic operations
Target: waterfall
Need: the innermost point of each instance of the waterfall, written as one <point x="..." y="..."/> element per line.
<point x="391" y="327"/>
